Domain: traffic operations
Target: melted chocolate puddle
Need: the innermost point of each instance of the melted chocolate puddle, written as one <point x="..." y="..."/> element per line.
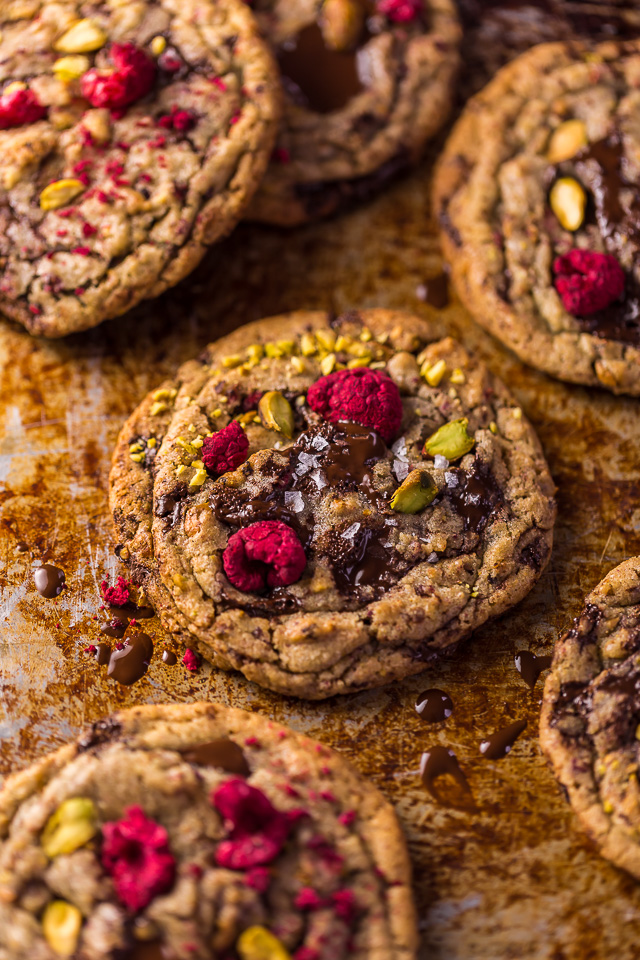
<point x="49" y="580"/>
<point x="223" y="753"/>
<point x="342" y="456"/>
<point x="130" y="664"/>
<point x="438" y="762"/>
<point x="434" y="705"/>
<point x="362" y="561"/>
<point x="22" y="546"/>
<point x="316" y="77"/>
<point x="115" y="628"/>
<point x="475" y="495"/>
<point x="530" y="666"/>
<point x="499" y="744"/>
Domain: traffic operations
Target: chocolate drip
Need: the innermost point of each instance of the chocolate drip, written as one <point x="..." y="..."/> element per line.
<point x="131" y="662"/>
<point x="339" y="455"/>
<point x="434" y="705"/>
<point x="474" y="495"/>
<point x="223" y="753"/>
<point x="115" y="629"/>
<point x="316" y="77"/>
<point x="169" y="658"/>
<point x="103" y="653"/>
<point x="362" y="561"/>
<point x="530" y="666"/>
<point x="499" y="744"/>
<point x="49" y="580"/>
<point x="440" y="761"/>
<point x="22" y="547"/>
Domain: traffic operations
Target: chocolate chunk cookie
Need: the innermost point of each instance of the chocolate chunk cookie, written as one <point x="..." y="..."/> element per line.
<point x="590" y="723"/>
<point x="132" y="135"/>
<point x="326" y="503"/>
<point x="200" y="831"/>
<point x="537" y="199"/>
<point x="366" y="85"/>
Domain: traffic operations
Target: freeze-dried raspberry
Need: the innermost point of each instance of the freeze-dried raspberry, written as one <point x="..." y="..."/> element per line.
<point x="135" y="853"/>
<point x="258" y="830"/>
<point x="132" y="78"/>
<point x="19" y="108"/>
<point x="267" y="553"/>
<point x="401" y="11"/>
<point x="191" y="660"/>
<point x="180" y="120"/>
<point x="118" y="595"/>
<point x="588" y="281"/>
<point x="258" y="878"/>
<point x="367" y="397"/>
<point x="226" y="449"/>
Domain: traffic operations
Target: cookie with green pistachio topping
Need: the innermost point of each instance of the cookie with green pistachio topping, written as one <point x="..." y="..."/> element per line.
<point x="299" y="520"/>
<point x="132" y="136"/>
<point x="200" y="831"/>
<point x="590" y="723"/>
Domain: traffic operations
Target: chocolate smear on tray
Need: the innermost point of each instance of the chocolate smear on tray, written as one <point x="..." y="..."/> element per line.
<point x="115" y="628"/>
<point x="434" y="705"/>
<point x="315" y="76"/>
<point x="440" y="761"/>
<point x="499" y="744"/>
<point x="49" y="580"/>
<point x="103" y="654"/>
<point x="530" y="666"/>
<point x="223" y="753"/>
<point x="131" y="662"/>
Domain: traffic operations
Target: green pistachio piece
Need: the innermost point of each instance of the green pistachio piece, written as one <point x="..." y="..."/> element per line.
<point x="70" y="827"/>
<point x="415" y="493"/>
<point x="276" y="413"/>
<point x="61" y="925"/>
<point x="451" y="440"/>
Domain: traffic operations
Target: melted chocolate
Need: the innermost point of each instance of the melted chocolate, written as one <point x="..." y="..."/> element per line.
<point x="169" y="658"/>
<point x="438" y="762"/>
<point x="435" y="291"/>
<point x="223" y="753"/>
<point x="103" y="653"/>
<point x="475" y="496"/>
<point x="530" y="666"/>
<point x="22" y="547"/>
<point x="499" y="744"/>
<point x="132" y="662"/>
<point x="151" y="950"/>
<point x="339" y="455"/>
<point x="316" y="77"/>
<point x="115" y="629"/>
<point x="49" y="580"/>
<point x="362" y="561"/>
<point x="434" y="706"/>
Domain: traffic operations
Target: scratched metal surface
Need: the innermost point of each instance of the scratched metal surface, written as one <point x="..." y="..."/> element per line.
<point x="509" y="878"/>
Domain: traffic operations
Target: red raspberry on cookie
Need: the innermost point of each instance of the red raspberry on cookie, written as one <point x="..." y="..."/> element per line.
<point x="588" y="281"/>
<point x="264" y="554"/>
<point x="226" y="449"/>
<point x="20" y="107"/>
<point x="136" y="855"/>
<point x="367" y="397"/>
<point x="132" y="79"/>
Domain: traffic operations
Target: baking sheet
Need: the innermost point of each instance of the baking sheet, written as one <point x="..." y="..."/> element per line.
<point x="510" y="876"/>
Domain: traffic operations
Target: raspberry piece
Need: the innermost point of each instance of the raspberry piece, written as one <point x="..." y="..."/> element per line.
<point x="367" y="397"/>
<point x="267" y="553"/>
<point x="258" y="830"/>
<point x="588" y="281"/>
<point x="135" y="853"/>
<point x="191" y="660"/>
<point x="258" y="878"/>
<point x="400" y="11"/>
<point x="118" y="595"/>
<point x="132" y="78"/>
<point x="19" y="108"/>
<point x="180" y="120"/>
<point x="226" y="449"/>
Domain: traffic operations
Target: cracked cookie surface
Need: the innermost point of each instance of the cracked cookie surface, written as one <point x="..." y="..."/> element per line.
<point x="366" y="85"/>
<point x="200" y="831"/>
<point x="591" y="715"/>
<point x="535" y="187"/>
<point x="132" y="136"/>
<point x="406" y="552"/>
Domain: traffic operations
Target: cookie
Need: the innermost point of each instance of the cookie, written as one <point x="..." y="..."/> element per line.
<point x="497" y="31"/>
<point x="200" y="831"/>
<point x="132" y="136"/>
<point x="589" y="725"/>
<point x="535" y="195"/>
<point x="365" y="87"/>
<point x="276" y="505"/>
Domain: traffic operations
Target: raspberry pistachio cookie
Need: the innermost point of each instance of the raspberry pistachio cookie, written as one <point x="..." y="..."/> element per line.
<point x="366" y="85"/>
<point x="324" y="503"/>
<point x="131" y="137"/>
<point x="536" y="197"/>
<point x="200" y="831"/>
<point x="589" y="728"/>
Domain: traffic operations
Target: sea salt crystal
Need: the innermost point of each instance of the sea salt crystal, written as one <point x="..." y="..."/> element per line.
<point x="294" y="501"/>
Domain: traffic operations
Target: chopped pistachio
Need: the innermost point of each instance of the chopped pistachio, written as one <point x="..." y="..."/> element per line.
<point x="567" y="140"/>
<point x="343" y="343"/>
<point x="607" y="806"/>
<point x="83" y="36"/>
<point x="517" y="413"/>
<point x="272" y="350"/>
<point x="298" y="364"/>
<point x="246" y="418"/>
<point x="158" y="46"/>
<point x="568" y="201"/>
<point x="14" y="87"/>
<point x="451" y="440"/>
<point x="307" y="345"/>
<point x="359" y="362"/>
<point x="197" y="442"/>
<point x="157" y="408"/>
<point x="71" y="67"/>
<point x="327" y="339"/>
<point x="276" y="413"/>
<point x="60" y="193"/>
<point x="258" y="943"/>
<point x="232" y="361"/>
<point x="181" y="469"/>
<point x="136" y="447"/>
<point x="286" y="347"/>
<point x="137" y="457"/>
<point x="493" y="426"/>
<point x="366" y="335"/>
<point x="255" y="351"/>
<point x="165" y="394"/>
<point x="217" y="412"/>
<point x="415" y="493"/>
<point x="328" y="363"/>
<point x="186" y="445"/>
<point x="378" y="365"/>
<point x="458" y="376"/>
<point x="61" y="925"/>
<point x="151" y="442"/>
<point x="70" y="827"/>
<point x="199" y="476"/>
